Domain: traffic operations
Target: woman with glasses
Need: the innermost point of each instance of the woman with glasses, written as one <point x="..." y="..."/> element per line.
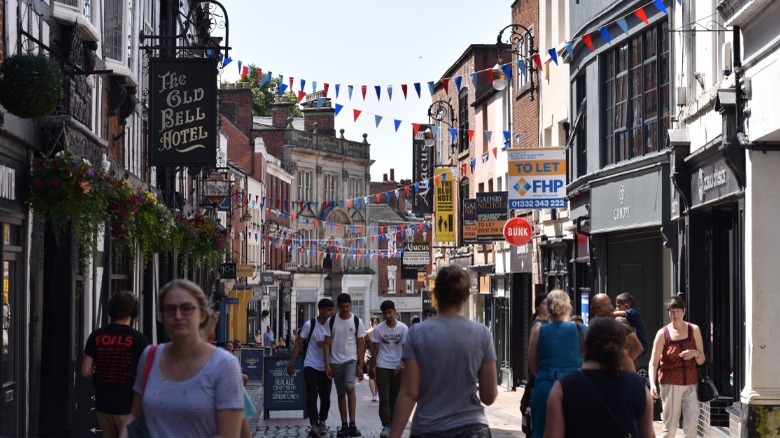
<point x="193" y="388"/>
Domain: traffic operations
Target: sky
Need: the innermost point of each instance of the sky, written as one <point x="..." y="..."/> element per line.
<point x="364" y="42"/>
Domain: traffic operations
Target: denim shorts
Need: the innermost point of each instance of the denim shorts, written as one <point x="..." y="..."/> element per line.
<point x="467" y="431"/>
<point x="344" y="375"/>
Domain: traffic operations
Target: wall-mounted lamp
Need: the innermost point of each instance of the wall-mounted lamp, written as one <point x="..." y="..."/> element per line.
<point x="516" y="43"/>
<point x="428" y="137"/>
<point x="438" y="111"/>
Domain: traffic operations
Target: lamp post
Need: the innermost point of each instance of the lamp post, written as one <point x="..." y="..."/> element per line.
<point x="438" y="111"/>
<point x="520" y="41"/>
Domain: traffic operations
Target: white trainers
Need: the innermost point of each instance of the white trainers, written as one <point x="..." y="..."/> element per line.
<point x="322" y="428"/>
<point x="374" y="398"/>
<point x="385" y="432"/>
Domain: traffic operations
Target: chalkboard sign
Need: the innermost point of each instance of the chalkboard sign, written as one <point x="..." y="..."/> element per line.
<point x="252" y="363"/>
<point x="280" y="391"/>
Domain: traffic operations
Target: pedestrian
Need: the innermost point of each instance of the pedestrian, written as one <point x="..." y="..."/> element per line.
<point x="678" y="348"/>
<point x="344" y="351"/>
<point x="210" y="335"/>
<point x="268" y="337"/>
<point x="625" y="308"/>
<point x="429" y="312"/>
<point x="387" y="345"/>
<point x="554" y="349"/>
<point x="311" y="342"/>
<point x="415" y="320"/>
<point x="435" y="352"/>
<point x="539" y="317"/>
<point x="367" y="360"/>
<point x="602" y="308"/>
<point x="111" y="357"/>
<point x="192" y="388"/>
<point x="600" y="397"/>
<point x="258" y="338"/>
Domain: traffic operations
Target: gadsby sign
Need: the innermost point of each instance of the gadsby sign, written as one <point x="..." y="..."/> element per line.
<point x="183" y="112"/>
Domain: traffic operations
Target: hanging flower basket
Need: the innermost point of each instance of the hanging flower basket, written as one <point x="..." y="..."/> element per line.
<point x="31" y="85"/>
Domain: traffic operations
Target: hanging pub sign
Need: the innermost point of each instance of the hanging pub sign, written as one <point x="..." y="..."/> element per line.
<point x="422" y="171"/>
<point x="183" y="112"/>
<point x="416" y="257"/>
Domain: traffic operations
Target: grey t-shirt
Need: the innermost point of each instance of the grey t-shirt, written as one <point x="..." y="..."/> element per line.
<point x="450" y="351"/>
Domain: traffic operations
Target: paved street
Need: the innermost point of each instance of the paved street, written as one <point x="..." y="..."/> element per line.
<point x="503" y="416"/>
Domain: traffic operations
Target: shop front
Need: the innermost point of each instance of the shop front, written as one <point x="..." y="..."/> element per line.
<point x="629" y="225"/>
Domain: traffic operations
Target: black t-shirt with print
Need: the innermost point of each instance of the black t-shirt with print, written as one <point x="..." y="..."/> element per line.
<point x="115" y="350"/>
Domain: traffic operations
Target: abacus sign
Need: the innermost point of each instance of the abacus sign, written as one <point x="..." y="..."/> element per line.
<point x="517" y="231"/>
<point x="183" y="112"/>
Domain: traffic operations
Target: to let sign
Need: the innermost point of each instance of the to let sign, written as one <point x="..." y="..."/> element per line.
<point x="183" y="112"/>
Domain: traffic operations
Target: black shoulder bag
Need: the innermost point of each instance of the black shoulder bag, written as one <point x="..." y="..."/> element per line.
<point x="705" y="389"/>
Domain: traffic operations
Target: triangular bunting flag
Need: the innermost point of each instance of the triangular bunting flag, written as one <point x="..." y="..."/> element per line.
<point x="445" y="83"/>
<point x="320" y="102"/>
<point x="378" y="119"/>
<point x="291" y="82"/>
<point x="588" y="41"/>
<point x="605" y="33"/>
<point x="239" y="66"/>
<point x="338" y="86"/>
<point x="363" y="89"/>
<point x="489" y="74"/>
<point x="338" y="108"/>
<point x="554" y="55"/>
<point x="640" y="13"/>
<point x="263" y="80"/>
<point x="378" y="91"/>
<point x="661" y="6"/>
<point x="570" y="49"/>
<point x="507" y="68"/>
<point x="431" y="87"/>
<point x="349" y="91"/>
<point x="244" y="72"/>
<point x="415" y="128"/>
<point x="474" y="79"/>
<point x="537" y="60"/>
<point x="403" y="88"/>
<point x="453" y="133"/>
<point x="458" y="80"/>
<point x="226" y="61"/>
<point x="356" y="113"/>
<point x="485" y="157"/>
<point x="454" y="172"/>
<point x="282" y="89"/>
<point x="473" y="164"/>
<point x="301" y="95"/>
<point x="435" y="131"/>
<point x="397" y="123"/>
<point x="313" y="86"/>
<point x="522" y="67"/>
<point x="471" y="134"/>
<point x="417" y="89"/>
<point x="389" y="92"/>
<point x="623" y="24"/>
<point x="463" y="168"/>
<point x="303" y="84"/>
<point x="495" y="152"/>
<point x="489" y="135"/>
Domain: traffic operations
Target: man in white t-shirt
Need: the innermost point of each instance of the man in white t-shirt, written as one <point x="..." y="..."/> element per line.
<point x="387" y="344"/>
<point x="344" y="350"/>
<point x="311" y="340"/>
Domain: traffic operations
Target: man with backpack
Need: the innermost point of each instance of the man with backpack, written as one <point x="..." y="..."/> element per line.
<point x="344" y="350"/>
<point x="311" y="342"/>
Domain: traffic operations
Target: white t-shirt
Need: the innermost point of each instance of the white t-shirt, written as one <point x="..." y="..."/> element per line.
<point x="343" y="347"/>
<point x="315" y="355"/>
<point x="391" y="344"/>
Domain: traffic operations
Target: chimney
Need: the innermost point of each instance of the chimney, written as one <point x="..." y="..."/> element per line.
<point x="323" y="117"/>
<point x="392" y="174"/>
<point x="384" y="177"/>
<point x="281" y="111"/>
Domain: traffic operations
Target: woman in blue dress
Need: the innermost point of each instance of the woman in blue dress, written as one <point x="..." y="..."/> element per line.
<point x="554" y="350"/>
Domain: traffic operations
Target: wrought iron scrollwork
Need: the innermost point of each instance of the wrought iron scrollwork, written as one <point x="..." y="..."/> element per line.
<point x="707" y="24"/>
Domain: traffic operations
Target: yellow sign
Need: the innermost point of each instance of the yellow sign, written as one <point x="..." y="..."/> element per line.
<point x="444" y="205"/>
<point x="245" y="271"/>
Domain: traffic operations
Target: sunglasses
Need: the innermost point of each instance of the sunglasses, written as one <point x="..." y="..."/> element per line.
<point x="185" y="309"/>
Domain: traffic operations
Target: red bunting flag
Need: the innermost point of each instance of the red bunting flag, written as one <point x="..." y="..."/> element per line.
<point x="300" y="205"/>
<point x="382" y="230"/>
<point x="291" y="81"/>
<point x="244" y="72"/>
<point x="445" y="82"/>
<point x="301" y="95"/>
<point x="349" y="203"/>
<point x="471" y="134"/>
<point x="415" y="128"/>
<point x="403" y="88"/>
<point x="292" y="216"/>
<point x="327" y="85"/>
<point x="363" y="90"/>
<point x="537" y="60"/>
<point x="589" y="41"/>
<point x="259" y="73"/>
<point x="463" y="168"/>
<point x="316" y="223"/>
<point x="495" y="152"/>
<point x="489" y="74"/>
<point x="356" y="113"/>
<point x="378" y="198"/>
<point x="338" y="227"/>
<point x="324" y="205"/>
<point x="406" y="190"/>
<point x="640" y="13"/>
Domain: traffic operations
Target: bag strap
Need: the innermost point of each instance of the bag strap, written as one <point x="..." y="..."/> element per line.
<point x="148" y="365"/>
<point x="308" y="338"/>
<point x="604" y="403"/>
<point x="333" y="320"/>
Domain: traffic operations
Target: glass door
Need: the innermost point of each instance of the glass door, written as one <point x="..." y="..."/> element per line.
<point x="9" y="362"/>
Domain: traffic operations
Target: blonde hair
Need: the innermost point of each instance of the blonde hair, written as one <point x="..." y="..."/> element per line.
<point x="558" y="302"/>
<point x="193" y="289"/>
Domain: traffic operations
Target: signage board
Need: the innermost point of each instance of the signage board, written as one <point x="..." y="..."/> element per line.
<point x="227" y="270"/>
<point x="280" y="391"/>
<point x="183" y="112"/>
<point x="629" y="203"/>
<point x="267" y="278"/>
<point x="469" y="221"/>
<point x="245" y="270"/>
<point x="444" y="205"/>
<point x="537" y="178"/>
<point x="492" y="214"/>
<point x="252" y="363"/>
<point x="231" y="300"/>
<point x="422" y="171"/>
<point x="416" y="257"/>
<point x="517" y="231"/>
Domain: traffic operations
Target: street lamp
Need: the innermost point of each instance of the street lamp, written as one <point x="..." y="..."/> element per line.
<point x="520" y="41"/>
<point x="438" y="111"/>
